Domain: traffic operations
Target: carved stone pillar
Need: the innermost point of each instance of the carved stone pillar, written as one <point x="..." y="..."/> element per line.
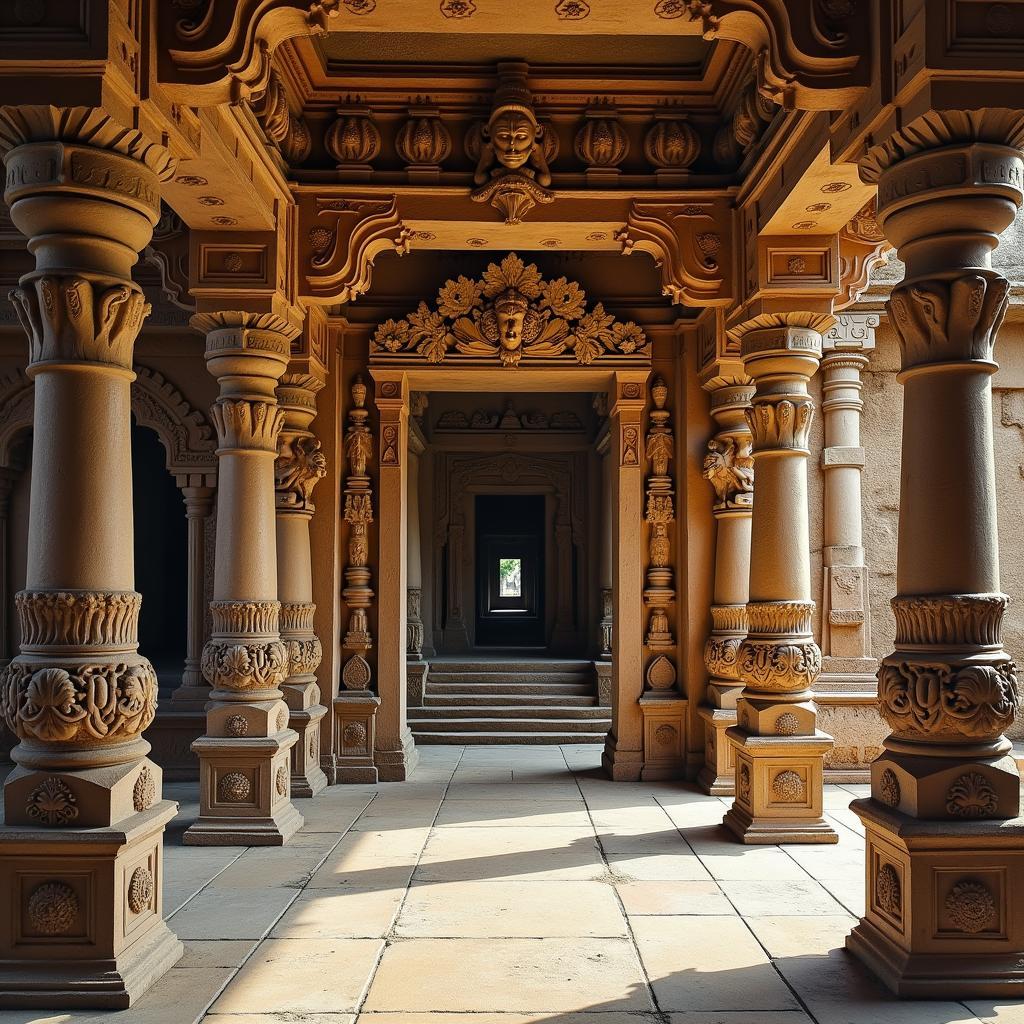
<point x="198" y="506"/>
<point x="729" y="467"/>
<point x="299" y="467"/>
<point x="945" y="843"/>
<point x="244" y="775"/>
<point x="603" y="664"/>
<point x="623" y="756"/>
<point x="395" y="751"/>
<point x="845" y="611"/>
<point x="81" y="852"/>
<point x="779" y="751"/>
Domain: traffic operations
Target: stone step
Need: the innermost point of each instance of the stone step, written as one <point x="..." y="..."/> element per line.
<point x="468" y="689"/>
<point x="505" y="713"/>
<point x="501" y="676"/>
<point x="462" y="739"/>
<point x="508" y="700"/>
<point x="509" y="665"/>
<point x="499" y="724"/>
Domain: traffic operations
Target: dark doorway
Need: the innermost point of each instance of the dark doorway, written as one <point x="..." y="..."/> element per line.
<point x="161" y="557"/>
<point x="510" y="570"/>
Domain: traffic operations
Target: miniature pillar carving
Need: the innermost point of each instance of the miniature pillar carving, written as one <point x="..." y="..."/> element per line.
<point x="395" y="751"/>
<point x="729" y="468"/>
<point x="299" y="468"/>
<point x="845" y="610"/>
<point x="662" y="704"/>
<point x="198" y="506"/>
<point x="779" y="751"/>
<point x="624" y="747"/>
<point x="355" y="707"/>
<point x="944" y="840"/>
<point x="81" y="851"/>
<point x="244" y="773"/>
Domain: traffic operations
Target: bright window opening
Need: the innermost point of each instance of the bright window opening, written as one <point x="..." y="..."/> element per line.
<point x="510" y="577"/>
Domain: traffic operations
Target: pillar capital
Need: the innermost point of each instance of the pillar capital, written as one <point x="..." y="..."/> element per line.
<point x="852" y="332"/>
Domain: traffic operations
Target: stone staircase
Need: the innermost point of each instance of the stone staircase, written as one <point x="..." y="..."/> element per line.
<point x="510" y="700"/>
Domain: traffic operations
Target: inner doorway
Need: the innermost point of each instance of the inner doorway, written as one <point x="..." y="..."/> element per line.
<point x="510" y="571"/>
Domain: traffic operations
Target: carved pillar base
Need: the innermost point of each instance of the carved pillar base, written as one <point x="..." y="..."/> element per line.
<point x="717" y="777"/>
<point x="245" y="783"/>
<point x="939" y="920"/>
<point x="604" y="683"/>
<point x="355" y="714"/>
<point x="416" y="681"/>
<point x="84" y="925"/>
<point x="308" y="777"/>
<point x="779" y="789"/>
<point x="664" y="736"/>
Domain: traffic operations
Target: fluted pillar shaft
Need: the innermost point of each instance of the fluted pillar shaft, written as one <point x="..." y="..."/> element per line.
<point x="81" y="850"/>
<point x="779" y="750"/>
<point x="245" y="792"/>
<point x="299" y="467"/>
<point x="945" y="843"/>
<point x="729" y="468"/>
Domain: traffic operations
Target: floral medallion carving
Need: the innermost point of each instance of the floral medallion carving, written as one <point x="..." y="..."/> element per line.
<point x="972" y="796"/>
<point x="970" y="907"/>
<point x="787" y="724"/>
<point x="234" y="788"/>
<point x="354" y="735"/>
<point x="511" y="313"/>
<point x="52" y="803"/>
<point x="237" y="725"/>
<point x="281" y="781"/>
<point x="788" y="787"/>
<point x="889" y="891"/>
<point x="141" y="889"/>
<point x="889" y="788"/>
<point x="144" y="790"/>
<point x="53" y="908"/>
<point x="356" y="673"/>
<point x="665" y="735"/>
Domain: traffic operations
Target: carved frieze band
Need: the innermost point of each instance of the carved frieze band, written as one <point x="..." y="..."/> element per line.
<point x="245" y="618"/>
<point x="779" y="618"/>
<point x="78" y="619"/>
<point x="781" y="424"/>
<point x="949" y="620"/>
<point x="721" y="650"/>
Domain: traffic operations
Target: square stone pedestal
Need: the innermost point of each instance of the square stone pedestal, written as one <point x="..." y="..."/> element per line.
<point x="244" y="791"/>
<point x="718" y="776"/>
<point x="416" y="681"/>
<point x="355" y="715"/>
<point x="305" y="715"/>
<point x="82" y="924"/>
<point x="664" y="736"/>
<point x="945" y="905"/>
<point x="779" y="789"/>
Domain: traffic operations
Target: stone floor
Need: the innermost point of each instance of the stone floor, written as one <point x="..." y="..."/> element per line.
<point x="511" y="885"/>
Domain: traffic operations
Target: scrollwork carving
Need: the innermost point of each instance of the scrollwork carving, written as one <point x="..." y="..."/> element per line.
<point x="775" y="666"/>
<point x="81" y="703"/>
<point x="935" y="699"/>
<point x="242" y="667"/>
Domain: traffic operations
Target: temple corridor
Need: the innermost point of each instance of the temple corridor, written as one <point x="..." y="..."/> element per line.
<point x="517" y="884"/>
